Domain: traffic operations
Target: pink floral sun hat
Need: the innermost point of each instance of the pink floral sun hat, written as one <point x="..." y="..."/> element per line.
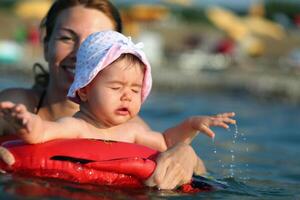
<point x="98" y="51"/>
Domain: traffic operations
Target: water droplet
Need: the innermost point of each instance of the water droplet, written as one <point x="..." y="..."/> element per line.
<point x="91" y="172"/>
<point x="79" y="168"/>
<point x="236" y="128"/>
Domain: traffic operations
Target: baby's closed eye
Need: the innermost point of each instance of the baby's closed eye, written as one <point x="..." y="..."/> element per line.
<point x="115" y="86"/>
<point x="136" y="89"/>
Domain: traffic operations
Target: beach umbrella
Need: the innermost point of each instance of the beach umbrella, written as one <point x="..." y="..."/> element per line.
<point x="227" y="21"/>
<point x="264" y="27"/>
<point x="240" y="27"/>
<point x="167" y="3"/>
<point x="32" y="9"/>
<point x="179" y="2"/>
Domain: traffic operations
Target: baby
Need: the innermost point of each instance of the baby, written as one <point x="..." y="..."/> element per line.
<point x="112" y="80"/>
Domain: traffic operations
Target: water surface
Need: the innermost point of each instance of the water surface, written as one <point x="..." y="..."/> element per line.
<point x="259" y="162"/>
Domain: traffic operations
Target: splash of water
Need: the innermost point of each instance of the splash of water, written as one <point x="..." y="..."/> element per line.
<point x="238" y="137"/>
<point x="234" y="168"/>
<point x="232" y="164"/>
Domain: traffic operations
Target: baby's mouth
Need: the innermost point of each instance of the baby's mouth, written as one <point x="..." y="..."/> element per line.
<point x="122" y="111"/>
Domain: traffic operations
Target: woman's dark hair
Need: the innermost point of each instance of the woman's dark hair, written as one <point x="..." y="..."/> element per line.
<point x="48" y="23"/>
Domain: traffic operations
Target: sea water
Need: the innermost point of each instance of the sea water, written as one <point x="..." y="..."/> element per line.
<point x="257" y="159"/>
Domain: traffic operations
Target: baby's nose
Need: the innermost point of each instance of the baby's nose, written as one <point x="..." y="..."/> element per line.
<point x="126" y="96"/>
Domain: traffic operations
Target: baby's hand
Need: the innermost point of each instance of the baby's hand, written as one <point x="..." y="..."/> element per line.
<point x="16" y="115"/>
<point x="203" y="123"/>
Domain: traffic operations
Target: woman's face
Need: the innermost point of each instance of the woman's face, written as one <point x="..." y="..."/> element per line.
<point x="73" y="25"/>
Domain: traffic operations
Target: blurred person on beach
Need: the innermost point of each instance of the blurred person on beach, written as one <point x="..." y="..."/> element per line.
<point x="33" y="39"/>
<point x="66" y="25"/>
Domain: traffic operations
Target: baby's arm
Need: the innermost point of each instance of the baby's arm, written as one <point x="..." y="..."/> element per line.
<point x="16" y="115"/>
<point x="32" y="128"/>
<point x="183" y="132"/>
<point x="188" y="129"/>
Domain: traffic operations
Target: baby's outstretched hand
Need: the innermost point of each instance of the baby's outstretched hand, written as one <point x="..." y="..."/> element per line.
<point x="16" y="115"/>
<point x="203" y="123"/>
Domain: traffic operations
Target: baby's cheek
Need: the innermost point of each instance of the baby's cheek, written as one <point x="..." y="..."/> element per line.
<point x="136" y="108"/>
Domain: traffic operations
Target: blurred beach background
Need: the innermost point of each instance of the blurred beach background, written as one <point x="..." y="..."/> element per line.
<point x="250" y="46"/>
<point x="207" y="57"/>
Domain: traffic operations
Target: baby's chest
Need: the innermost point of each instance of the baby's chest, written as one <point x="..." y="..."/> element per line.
<point x="114" y="135"/>
<point x="121" y="136"/>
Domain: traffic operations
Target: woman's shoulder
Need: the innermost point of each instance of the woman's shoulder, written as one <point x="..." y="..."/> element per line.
<point x="28" y="97"/>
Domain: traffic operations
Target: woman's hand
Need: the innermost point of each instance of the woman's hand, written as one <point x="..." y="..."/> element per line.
<point x="175" y="167"/>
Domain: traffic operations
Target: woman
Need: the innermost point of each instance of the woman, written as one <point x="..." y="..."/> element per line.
<point x="66" y="25"/>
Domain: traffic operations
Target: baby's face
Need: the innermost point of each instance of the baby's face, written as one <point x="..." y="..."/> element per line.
<point x="114" y="96"/>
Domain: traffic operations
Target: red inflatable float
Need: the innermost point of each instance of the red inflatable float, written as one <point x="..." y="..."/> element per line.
<point x="88" y="161"/>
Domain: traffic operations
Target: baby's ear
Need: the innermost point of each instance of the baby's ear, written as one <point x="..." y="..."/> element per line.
<point x="82" y="93"/>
